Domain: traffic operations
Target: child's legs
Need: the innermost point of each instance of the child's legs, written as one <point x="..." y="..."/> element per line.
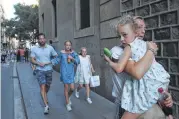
<point x="79" y="87"/>
<point x="71" y="89"/>
<point x="128" y="115"/>
<point x="66" y="93"/>
<point x="87" y="90"/>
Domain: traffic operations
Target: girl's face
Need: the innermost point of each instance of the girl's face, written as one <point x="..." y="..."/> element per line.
<point x="127" y="33"/>
<point x="67" y="46"/>
<point x="83" y="52"/>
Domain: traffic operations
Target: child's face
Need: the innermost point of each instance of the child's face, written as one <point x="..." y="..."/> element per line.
<point x="127" y="33"/>
<point x="68" y="46"/>
<point x="83" y="52"/>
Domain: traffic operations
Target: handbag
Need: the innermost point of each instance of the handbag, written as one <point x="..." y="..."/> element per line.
<point x="94" y="81"/>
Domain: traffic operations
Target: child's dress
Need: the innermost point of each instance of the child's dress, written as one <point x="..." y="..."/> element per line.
<point x="67" y="70"/>
<point x="83" y="73"/>
<point x="140" y="95"/>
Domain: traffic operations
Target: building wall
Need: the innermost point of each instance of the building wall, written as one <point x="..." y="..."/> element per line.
<point x="161" y="17"/>
<point x="2" y="29"/>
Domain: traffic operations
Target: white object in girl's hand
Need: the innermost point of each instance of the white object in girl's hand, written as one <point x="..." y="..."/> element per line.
<point x="94" y="81"/>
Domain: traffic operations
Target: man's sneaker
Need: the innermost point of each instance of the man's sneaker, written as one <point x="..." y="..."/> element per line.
<point x="77" y="94"/>
<point x="46" y="110"/>
<point x="89" y="100"/>
<point x="68" y="106"/>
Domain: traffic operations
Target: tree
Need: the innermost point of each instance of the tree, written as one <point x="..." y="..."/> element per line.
<point x="25" y="24"/>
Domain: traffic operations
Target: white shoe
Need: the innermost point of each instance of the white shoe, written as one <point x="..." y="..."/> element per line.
<point x="89" y="100"/>
<point x="46" y="110"/>
<point x="68" y="106"/>
<point x="77" y="94"/>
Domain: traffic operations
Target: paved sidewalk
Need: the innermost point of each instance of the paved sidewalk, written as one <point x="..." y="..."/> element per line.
<point x="101" y="108"/>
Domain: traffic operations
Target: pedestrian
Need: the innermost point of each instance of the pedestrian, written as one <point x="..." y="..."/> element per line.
<point x="68" y="59"/>
<point x="3" y="56"/>
<point x="40" y="56"/>
<point x="84" y="73"/>
<point x="22" y="53"/>
<point x="145" y="87"/>
<point x="18" y="55"/>
<point x="51" y="43"/>
<point x="26" y="55"/>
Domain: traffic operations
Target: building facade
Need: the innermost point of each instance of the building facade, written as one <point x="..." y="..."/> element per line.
<point x="88" y="23"/>
<point x="2" y="30"/>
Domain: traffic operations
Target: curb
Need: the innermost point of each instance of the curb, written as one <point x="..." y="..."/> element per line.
<point x="16" y="76"/>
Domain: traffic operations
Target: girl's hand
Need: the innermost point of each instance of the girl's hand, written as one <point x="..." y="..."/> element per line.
<point x="70" y="57"/>
<point x="106" y="58"/>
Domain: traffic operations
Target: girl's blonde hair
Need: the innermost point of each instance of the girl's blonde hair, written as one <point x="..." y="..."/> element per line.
<point x="127" y="19"/>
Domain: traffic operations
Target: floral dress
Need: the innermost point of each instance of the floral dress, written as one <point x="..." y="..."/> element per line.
<point x="140" y="95"/>
<point x="67" y="70"/>
<point x="83" y="73"/>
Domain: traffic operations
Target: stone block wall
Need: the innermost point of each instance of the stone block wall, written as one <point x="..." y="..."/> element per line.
<point x="162" y="21"/>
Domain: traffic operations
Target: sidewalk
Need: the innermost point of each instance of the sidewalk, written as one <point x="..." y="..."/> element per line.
<point x="101" y="108"/>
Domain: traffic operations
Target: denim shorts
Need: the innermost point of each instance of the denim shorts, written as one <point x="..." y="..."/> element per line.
<point x="44" y="77"/>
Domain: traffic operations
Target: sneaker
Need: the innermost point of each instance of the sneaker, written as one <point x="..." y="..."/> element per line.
<point x="77" y="94"/>
<point x="68" y="106"/>
<point x="89" y="100"/>
<point x="46" y="110"/>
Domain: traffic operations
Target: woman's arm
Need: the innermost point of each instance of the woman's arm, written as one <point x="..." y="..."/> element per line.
<point x="138" y="69"/>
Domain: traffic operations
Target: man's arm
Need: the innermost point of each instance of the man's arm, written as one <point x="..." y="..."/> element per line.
<point x="138" y="69"/>
<point x="34" y="61"/>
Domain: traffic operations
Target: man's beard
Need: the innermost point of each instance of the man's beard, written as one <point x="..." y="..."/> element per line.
<point x="41" y="44"/>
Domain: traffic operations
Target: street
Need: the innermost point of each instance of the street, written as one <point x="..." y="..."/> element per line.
<point x="7" y="92"/>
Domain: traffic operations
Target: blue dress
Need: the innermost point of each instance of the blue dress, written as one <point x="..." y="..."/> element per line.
<point x="67" y="70"/>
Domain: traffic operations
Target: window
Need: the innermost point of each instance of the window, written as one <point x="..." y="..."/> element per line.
<point x="84" y="18"/>
<point x="55" y="16"/>
<point x="85" y="14"/>
<point x="43" y="21"/>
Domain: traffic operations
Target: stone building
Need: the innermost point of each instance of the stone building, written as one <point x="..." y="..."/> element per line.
<point x="2" y="30"/>
<point x="88" y="23"/>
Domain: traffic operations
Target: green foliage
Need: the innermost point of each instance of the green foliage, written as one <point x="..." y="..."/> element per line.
<point x="24" y="25"/>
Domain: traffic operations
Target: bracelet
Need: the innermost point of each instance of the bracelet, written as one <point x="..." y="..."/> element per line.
<point x="153" y="51"/>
